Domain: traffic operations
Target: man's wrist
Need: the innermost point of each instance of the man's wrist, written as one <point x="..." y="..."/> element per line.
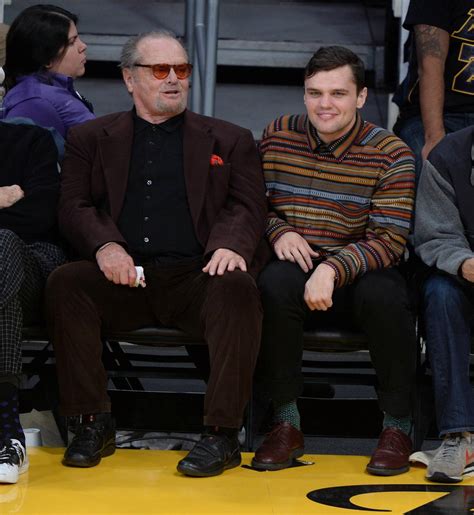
<point x="328" y="269"/>
<point x="105" y="245"/>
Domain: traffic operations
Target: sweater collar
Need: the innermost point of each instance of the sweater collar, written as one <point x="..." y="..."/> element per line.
<point x="337" y="148"/>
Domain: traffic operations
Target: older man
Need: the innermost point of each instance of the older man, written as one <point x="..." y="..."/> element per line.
<point x="181" y="195"/>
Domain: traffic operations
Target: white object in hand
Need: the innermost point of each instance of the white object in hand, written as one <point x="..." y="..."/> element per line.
<point x="140" y="280"/>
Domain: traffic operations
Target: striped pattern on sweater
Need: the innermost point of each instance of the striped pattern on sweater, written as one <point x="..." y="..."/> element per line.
<point x="351" y="201"/>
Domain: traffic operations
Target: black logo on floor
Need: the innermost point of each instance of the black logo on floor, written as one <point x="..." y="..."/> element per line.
<point x="459" y="500"/>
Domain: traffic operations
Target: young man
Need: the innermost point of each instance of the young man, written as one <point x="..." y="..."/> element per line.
<point x="444" y="240"/>
<point x="341" y="196"/>
<point x="182" y="195"/>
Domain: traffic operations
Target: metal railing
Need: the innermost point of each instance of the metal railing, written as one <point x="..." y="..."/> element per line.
<point x="201" y="36"/>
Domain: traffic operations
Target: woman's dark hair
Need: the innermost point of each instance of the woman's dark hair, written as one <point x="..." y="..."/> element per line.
<point x="37" y="36"/>
<point x="331" y="57"/>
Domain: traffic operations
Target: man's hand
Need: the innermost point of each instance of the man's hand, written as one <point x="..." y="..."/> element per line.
<point x="116" y="264"/>
<point x="293" y="247"/>
<point x="431" y="142"/>
<point x="224" y="259"/>
<point x="319" y="288"/>
<point x="9" y="195"/>
<point x="467" y="270"/>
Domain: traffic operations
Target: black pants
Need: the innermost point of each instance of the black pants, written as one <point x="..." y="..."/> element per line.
<point x="224" y="310"/>
<point x="377" y="304"/>
<point x="23" y="271"/>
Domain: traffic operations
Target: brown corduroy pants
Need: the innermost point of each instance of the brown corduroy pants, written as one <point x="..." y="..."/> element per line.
<point x="224" y="310"/>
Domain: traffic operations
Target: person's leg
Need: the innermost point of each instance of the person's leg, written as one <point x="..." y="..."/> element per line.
<point x="447" y="311"/>
<point x="279" y="373"/>
<point x="21" y="287"/>
<point x="284" y="312"/>
<point x="383" y="311"/>
<point x="226" y="311"/>
<point x="82" y="305"/>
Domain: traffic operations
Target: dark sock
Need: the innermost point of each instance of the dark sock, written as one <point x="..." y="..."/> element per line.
<point x="230" y="432"/>
<point x="287" y="412"/>
<point x="10" y="427"/>
<point x="403" y="423"/>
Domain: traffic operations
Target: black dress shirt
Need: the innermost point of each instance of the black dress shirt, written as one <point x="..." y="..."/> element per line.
<point x="155" y="219"/>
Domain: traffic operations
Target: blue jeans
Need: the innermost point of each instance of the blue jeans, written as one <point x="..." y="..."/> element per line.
<point x="412" y="133"/>
<point x="447" y="311"/>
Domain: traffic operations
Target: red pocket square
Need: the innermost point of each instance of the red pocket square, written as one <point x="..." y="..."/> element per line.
<point x="216" y="160"/>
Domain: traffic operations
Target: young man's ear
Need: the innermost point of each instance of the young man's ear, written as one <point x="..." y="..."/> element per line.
<point x="361" y="98"/>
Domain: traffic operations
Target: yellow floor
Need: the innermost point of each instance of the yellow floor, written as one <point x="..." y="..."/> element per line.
<point x="133" y="481"/>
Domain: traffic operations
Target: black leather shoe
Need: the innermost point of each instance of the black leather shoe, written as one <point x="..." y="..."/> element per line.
<point x="94" y="439"/>
<point x="213" y="454"/>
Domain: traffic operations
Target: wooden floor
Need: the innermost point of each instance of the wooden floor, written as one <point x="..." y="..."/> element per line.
<point x="140" y="481"/>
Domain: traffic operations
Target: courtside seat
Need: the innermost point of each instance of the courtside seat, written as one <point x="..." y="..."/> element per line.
<point x="127" y="369"/>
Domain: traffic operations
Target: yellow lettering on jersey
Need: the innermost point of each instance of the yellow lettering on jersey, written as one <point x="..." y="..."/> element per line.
<point x="463" y="81"/>
<point x="466" y="32"/>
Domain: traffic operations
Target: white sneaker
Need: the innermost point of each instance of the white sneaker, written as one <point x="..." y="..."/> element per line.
<point x="13" y="461"/>
<point x="454" y="455"/>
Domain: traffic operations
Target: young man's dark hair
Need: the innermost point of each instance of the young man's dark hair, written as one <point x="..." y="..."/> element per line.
<point x="331" y="57"/>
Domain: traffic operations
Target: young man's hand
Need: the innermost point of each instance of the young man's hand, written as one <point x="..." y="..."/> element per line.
<point x="293" y="247"/>
<point x="319" y="288"/>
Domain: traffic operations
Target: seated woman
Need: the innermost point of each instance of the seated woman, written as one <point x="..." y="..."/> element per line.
<point x="29" y="190"/>
<point x="44" y="55"/>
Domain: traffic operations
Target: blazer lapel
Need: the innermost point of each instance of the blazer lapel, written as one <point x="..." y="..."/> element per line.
<point x="198" y="143"/>
<point x="115" y="150"/>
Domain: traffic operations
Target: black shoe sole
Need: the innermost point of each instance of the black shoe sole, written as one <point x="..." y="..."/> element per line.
<point x="439" y="477"/>
<point x="189" y="470"/>
<point x="374" y="471"/>
<point x="87" y="463"/>
<point x="297" y="453"/>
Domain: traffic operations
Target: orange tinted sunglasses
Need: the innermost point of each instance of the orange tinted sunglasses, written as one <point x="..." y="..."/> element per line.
<point x="162" y="70"/>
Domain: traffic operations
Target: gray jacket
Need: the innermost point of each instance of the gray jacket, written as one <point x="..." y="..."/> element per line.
<point x="442" y="217"/>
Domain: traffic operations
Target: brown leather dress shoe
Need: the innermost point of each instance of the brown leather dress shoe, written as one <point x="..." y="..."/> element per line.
<point x="391" y="457"/>
<point x="280" y="447"/>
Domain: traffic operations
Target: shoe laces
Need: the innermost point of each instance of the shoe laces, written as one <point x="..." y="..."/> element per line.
<point x="450" y="448"/>
<point x="88" y="433"/>
<point x="12" y="453"/>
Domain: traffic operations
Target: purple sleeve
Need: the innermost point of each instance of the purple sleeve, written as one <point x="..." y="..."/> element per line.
<point x="41" y="111"/>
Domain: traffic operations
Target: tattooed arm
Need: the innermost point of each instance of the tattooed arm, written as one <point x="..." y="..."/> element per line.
<point x="432" y="45"/>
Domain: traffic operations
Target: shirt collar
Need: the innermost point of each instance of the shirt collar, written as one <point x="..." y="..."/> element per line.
<point x="338" y="147"/>
<point x="51" y="78"/>
<point x="170" y="125"/>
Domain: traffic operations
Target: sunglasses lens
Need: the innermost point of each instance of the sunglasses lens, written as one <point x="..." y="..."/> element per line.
<point x="161" y="71"/>
<point x="182" y="70"/>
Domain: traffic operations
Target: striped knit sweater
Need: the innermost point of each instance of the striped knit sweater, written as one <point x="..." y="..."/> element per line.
<point x="352" y="200"/>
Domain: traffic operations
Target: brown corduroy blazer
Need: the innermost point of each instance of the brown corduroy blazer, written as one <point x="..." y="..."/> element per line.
<point x="227" y="201"/>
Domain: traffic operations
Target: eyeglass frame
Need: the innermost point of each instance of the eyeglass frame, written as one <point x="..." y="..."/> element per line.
<point x="189" y="67"/>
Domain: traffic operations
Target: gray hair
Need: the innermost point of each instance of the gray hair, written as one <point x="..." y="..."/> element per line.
<point x="129" y="55"/>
